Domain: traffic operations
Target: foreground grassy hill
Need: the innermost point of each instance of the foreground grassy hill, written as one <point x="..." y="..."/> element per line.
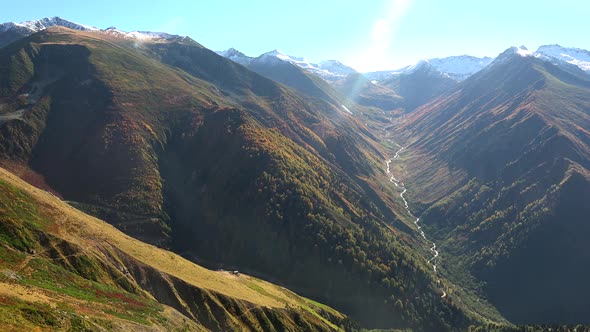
<point x="63" y="269"/>
<point x="179" y="147"/>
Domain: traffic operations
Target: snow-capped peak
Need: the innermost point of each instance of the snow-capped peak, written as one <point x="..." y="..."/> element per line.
<point x="519" y="52"/>
<point x="336" y="67"/>
<point x="458" y="68"/>
<point x="44" y="23"/>
<point x="140" y="35"/>
<point x="558" y="55"/>
<point x="330" y="70"/>
<point x="231" y="52"/>
<point x="284" y="57"/>
<point x="30" y="27"/>
<point x="523" y="51"/>
<point x="422" y="63"/>
<point x="236" y="56"/>
<point x="574" y="56"/>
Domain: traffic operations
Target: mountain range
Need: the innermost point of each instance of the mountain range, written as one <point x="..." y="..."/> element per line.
<point x="440" y="197"/>
<point x="408" y="87"/>
<point x="329" y="70"/>
<point x="457" y="68"/>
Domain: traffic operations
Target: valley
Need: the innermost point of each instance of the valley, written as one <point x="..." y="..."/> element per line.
<point x="150" y="183"/>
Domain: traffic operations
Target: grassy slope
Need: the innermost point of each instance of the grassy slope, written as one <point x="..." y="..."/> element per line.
<point x="59" y="263"/>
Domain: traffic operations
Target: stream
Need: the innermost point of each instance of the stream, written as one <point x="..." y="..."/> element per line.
<point x="400" y="185"/>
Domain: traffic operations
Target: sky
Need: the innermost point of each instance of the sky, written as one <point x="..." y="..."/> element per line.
<point x="367" y="35"/>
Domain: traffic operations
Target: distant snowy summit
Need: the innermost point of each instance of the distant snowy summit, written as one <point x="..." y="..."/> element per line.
<point x="30" y="27"/>
<point x="573" y="56"/>
<point x="236" y="56"/>
<point x="565" y="57"/>
<point x="142" y="35"/>
<point x="330" y="70"/>
<point x="462" y="67"/>
<point x="457" y="68"/>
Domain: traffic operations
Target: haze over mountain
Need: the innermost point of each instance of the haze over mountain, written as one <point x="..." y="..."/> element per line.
<point x="457" y="68"/>
<point x="415" y="84"/>
<point x="443" y="196"/>
<point x="329" y="70"/>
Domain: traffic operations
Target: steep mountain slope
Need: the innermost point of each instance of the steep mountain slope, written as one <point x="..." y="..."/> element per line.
<point x="62" y="269"/>
<point x="180" y="147"/>
<point x="501" y="163"/>
<point x="292" y="72"/>
<point x="9" y="35"/>
<point x="293" y="76"/>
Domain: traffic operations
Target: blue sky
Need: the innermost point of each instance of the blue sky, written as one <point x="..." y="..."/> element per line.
<point x="368" y="35"/>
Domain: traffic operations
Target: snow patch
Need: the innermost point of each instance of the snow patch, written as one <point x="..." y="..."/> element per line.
<point x="346" y="109"/>
<point x="574" y="56"/>
<point x="524" y="52"/>
<point x="236" y="56"/>
<point x="141" y="36"/>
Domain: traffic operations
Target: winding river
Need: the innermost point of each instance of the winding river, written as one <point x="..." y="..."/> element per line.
<point x="400" y="185"/>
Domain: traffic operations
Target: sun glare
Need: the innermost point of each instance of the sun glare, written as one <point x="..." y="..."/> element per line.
<point x="379" y="54"/>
